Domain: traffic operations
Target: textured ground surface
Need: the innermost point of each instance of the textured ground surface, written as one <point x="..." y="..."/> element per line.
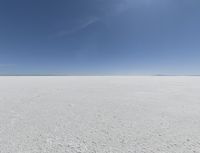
<point x="99" y="114"/>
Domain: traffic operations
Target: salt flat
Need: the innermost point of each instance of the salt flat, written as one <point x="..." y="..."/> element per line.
<point x="150" y="114"/>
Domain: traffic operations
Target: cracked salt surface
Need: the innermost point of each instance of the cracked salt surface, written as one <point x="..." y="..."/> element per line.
<point x="99" y="114"/>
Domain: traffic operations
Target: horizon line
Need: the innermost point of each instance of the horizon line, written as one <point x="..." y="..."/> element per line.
<point x="99" y="75"/>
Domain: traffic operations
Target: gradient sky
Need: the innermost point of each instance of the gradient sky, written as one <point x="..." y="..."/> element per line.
<point x="99" y="37"/>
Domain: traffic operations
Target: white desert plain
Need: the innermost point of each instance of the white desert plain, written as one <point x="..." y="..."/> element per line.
<point x="99" y="114"/>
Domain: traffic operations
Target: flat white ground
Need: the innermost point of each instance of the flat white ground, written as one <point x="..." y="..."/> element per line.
<point x="99" y="114"/>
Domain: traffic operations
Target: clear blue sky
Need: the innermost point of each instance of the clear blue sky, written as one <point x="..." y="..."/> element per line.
<point x="99" y="37"/>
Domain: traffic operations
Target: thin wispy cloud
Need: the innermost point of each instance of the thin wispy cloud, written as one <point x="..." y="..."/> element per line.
<point x="115" y="9"/>
<point x="78" y="28"/>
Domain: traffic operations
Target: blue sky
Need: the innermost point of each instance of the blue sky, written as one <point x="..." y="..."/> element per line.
<point x="99" y="37"/>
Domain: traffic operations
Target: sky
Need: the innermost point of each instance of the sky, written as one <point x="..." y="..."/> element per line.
<point x="99" y="37"/>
